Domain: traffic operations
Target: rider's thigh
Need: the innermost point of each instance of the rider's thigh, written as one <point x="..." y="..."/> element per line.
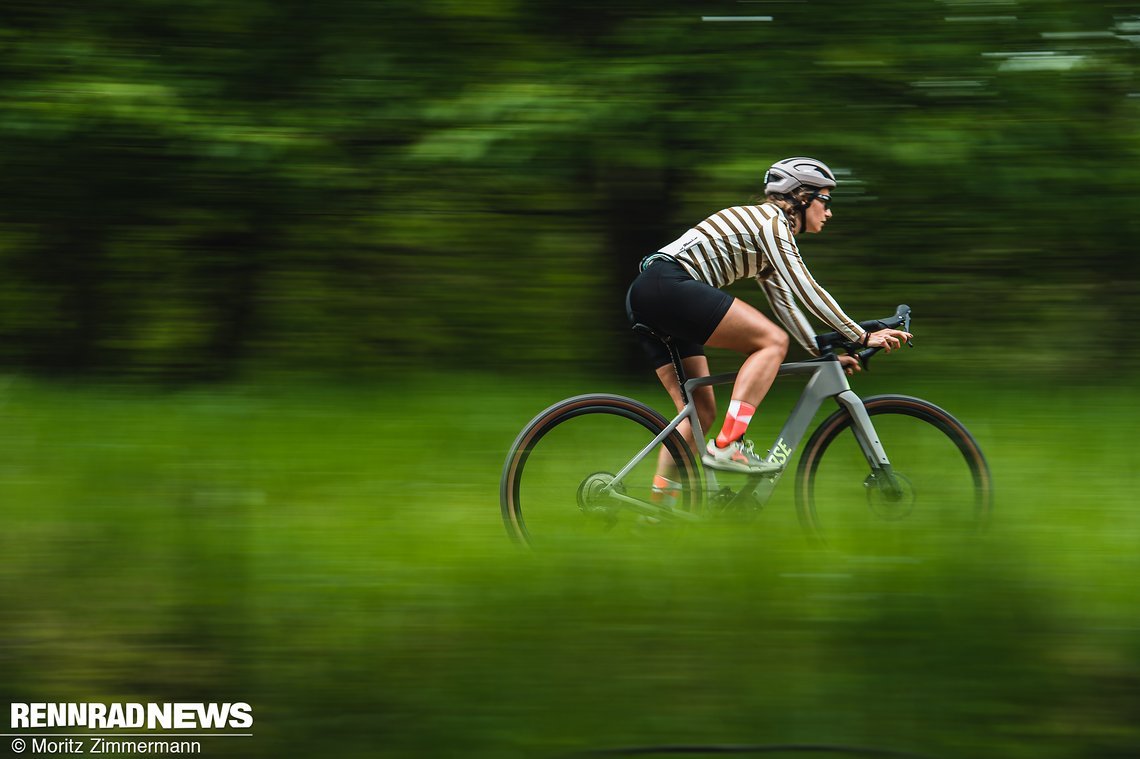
<point x="746" y="330"/>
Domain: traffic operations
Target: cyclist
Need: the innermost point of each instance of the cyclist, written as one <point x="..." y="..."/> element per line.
<point x="678" y="292"/>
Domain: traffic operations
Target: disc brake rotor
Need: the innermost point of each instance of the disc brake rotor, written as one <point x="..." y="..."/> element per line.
<point x="887" y="503"/>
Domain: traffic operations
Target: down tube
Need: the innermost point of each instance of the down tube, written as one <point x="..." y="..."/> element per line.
<point x="827" y="381"/>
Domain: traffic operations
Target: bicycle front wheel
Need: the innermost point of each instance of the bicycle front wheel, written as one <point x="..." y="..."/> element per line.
<point x="558" y="486"/>
<point x="938" y="486"/>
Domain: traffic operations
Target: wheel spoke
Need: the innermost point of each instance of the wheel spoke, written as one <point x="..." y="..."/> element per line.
<point x="559" y="488"/>
<point x="936" y="489"/>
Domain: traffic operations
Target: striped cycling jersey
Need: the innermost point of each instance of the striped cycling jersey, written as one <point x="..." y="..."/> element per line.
<point x="756" y="241"/>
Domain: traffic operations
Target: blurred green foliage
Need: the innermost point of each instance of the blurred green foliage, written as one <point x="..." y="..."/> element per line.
<point x="300" y="548"/>
<point x="194" y="188"/>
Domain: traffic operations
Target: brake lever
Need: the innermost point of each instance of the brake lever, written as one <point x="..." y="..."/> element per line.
<point x="906" y="323"/>
<point x="864" y="356"/>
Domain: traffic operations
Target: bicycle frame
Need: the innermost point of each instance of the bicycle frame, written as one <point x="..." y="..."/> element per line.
<point x="826" y="380"/>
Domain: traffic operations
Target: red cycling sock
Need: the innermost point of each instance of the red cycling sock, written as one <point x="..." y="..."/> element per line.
<point x="735" y="423"/>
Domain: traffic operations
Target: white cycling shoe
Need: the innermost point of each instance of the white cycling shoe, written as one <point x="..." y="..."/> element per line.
<point x="738" y="456"/>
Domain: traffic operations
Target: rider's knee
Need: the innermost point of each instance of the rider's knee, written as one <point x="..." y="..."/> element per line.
<point x="780" y="341"/>
<point x="773" y="339"/>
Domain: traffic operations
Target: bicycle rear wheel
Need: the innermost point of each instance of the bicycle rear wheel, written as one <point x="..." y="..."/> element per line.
<point x="554" y="486"/>
<point x="938" y="489"/>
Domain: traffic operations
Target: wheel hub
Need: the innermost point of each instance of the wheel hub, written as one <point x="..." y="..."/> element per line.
<point x="594" y="498"/>
<point x="892" y="499"/>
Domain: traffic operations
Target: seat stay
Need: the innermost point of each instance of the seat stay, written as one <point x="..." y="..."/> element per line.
<point x="688" y="412"/>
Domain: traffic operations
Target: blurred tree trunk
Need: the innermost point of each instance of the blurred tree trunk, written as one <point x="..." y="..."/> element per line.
<point x="636" y="206"/>
<point x="639" y="204"/>
<point x="72" y="266"/>
<point x="235" y="266"/>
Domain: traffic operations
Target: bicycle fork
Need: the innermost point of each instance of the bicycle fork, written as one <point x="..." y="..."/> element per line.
<point x="882" y="476"/>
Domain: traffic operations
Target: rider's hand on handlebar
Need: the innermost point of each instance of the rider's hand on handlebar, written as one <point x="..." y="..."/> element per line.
<point x="888" y="339"/>
<point x="850" y="364"/>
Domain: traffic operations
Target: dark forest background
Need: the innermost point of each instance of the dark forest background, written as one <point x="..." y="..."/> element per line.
<point x="201" y="189"/>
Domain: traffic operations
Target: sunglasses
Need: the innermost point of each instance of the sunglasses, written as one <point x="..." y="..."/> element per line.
<point x="825" y="199"/>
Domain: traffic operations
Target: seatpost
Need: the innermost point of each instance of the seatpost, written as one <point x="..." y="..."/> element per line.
<point x="678" y="369"/>
<point x="674" y="354"/>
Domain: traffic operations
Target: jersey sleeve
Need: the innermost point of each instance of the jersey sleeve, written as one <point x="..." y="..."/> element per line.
<point x="789" y="267"/>
<point x="789" y="314"/>
<point x="790" y="281"/>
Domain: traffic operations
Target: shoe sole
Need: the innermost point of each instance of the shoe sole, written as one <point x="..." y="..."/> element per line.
<point x="730" y="466"/>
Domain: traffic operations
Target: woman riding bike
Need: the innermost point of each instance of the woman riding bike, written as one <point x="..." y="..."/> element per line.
<point x="678" y="293"/>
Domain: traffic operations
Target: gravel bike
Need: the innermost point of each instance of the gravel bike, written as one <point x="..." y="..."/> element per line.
<point x="885" y="465"/>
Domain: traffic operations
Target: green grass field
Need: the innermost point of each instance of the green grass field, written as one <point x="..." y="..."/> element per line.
<point x="334" y="556"/>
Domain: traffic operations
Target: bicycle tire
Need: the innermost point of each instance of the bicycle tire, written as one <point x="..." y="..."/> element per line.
<point x="513" y="493"/>
<point x="965" y="505"/>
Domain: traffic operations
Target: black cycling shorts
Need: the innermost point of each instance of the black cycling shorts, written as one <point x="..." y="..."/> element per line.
<point x="667" y="298"/>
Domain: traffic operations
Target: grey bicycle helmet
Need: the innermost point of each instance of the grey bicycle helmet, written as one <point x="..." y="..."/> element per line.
<point x="790" y="174"/>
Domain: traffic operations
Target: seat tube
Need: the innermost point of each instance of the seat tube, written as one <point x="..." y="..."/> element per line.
<point x="687" y="390"/>
<point x="864" y="430"/>
<point x="694" y="418"/>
